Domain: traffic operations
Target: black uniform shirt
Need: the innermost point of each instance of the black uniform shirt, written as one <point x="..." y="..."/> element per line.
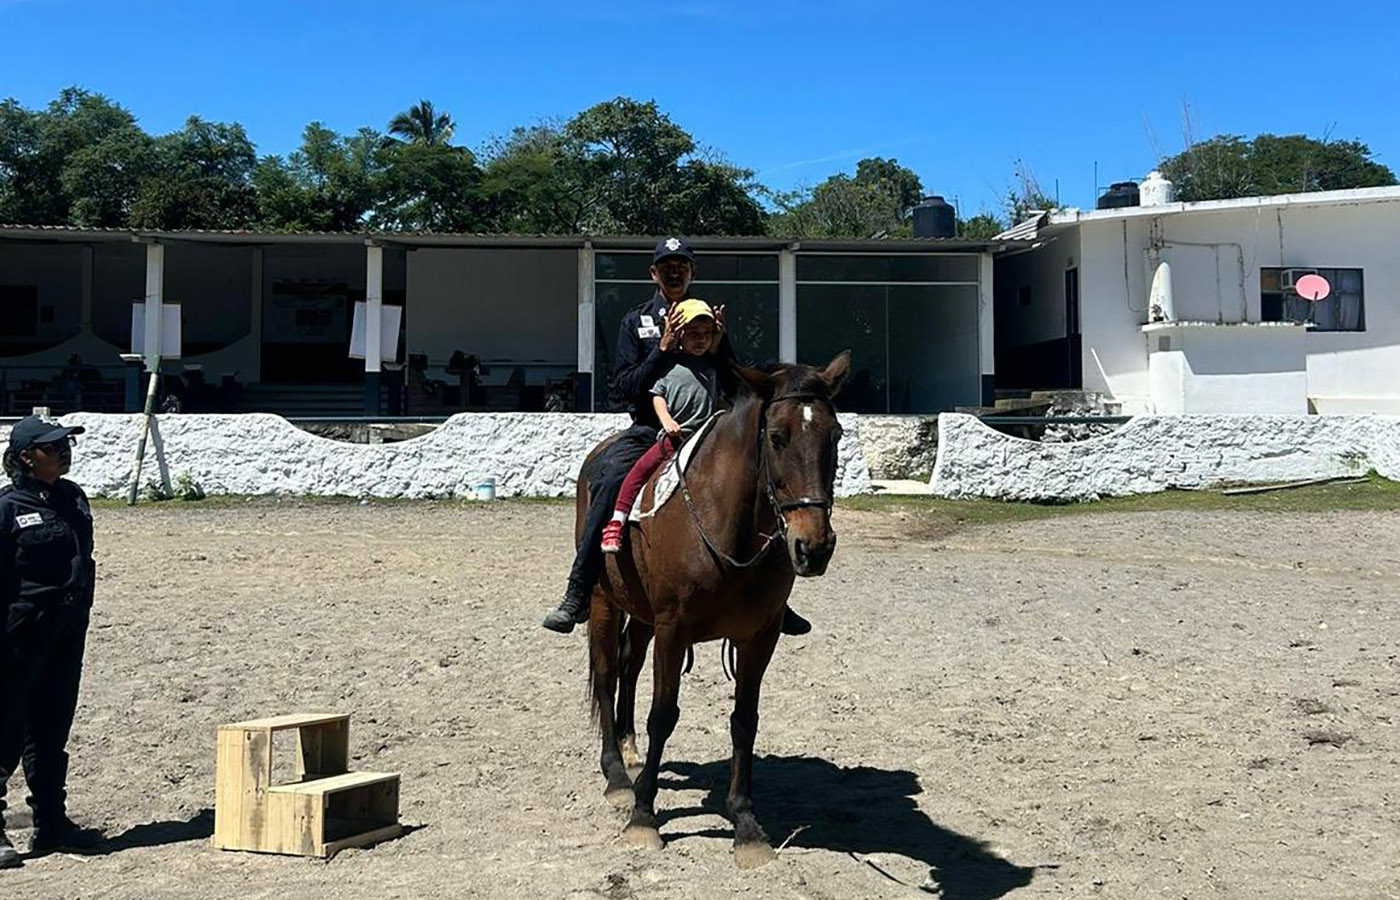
<point x="640" y="360"/>
<point x="45" y="543"/>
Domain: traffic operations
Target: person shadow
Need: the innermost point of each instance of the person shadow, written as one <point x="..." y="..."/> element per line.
<point x="158" y="834"/>
<point x="860" y="811"/>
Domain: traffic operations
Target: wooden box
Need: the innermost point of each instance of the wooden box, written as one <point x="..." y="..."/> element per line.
<point x="321" y="810"/>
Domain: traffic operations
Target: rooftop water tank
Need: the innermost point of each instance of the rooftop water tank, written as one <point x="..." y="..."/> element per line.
<point x="935" y="218"/>
<point x="1155" y="190"/>
<point x="1119" y="195"/>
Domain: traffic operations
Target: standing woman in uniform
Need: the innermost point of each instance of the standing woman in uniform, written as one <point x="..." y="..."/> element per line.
<point x="46" y="585"/>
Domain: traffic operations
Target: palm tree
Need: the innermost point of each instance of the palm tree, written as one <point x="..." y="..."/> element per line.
<point x="421" y="124"/>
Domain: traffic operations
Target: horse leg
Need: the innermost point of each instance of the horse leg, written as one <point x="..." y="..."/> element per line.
<point x="751" y="847"/>
<point x="604" y="627"/>
<point x="635" y="638"/>
<point x="661" y="721"/>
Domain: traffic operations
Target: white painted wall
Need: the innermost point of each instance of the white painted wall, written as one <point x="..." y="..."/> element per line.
<point x="517" y="306"/>
<point x="1155" y="453"/>
<point x="1217" y="369"/>
<point x="1346" y="371"/>
<point x="529" y="454"/>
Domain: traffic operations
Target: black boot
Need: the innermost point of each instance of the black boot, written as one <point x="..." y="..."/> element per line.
<point x="9" y="859"/>
<point x="60" y="833"/>
<point x="572" y="610"/>
<point x="793" y="623"/>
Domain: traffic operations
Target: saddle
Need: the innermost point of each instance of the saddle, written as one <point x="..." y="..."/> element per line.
<point x="664" y="483"/>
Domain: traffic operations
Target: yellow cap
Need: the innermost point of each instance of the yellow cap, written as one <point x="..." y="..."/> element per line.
<point x="693" y="309"/>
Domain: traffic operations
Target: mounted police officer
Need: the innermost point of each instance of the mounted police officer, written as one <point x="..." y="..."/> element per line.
<point x="648" y="344"/>
<point x="46" y="587"/>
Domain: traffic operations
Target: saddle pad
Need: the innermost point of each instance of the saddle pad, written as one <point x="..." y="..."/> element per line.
<point x="664" y="483"/>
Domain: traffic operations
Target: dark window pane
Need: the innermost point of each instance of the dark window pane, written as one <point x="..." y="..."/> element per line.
<point x="933" y="349"/>
<point x="624" y="266"/>
<point x="1343" y="310"/>
<point x="751" y="315"/>
<point x="833" y="318"/>
<point x="735" y="267"/>
<point x="907" y="267"/>
<point x="611" y="303"/>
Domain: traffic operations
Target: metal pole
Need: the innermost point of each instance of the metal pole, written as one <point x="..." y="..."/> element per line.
<point x="135" y="487"/>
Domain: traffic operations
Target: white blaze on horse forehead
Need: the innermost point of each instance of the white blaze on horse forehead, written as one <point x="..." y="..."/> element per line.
<point x="806" y="416"/>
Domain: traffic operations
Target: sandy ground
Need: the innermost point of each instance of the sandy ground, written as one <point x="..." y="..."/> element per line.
<point x="1128" y="705"/>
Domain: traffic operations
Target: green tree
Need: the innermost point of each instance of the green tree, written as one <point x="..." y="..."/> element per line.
<point x="422" y="124"/>
<point x="644" y="175"/>
<point x="329" y="184"/>
<point x="535" y="182"/>
<point x="201" y="177"/>
<point x="428" y="187"/>
<point x="877" y="200"/>
<point x="79" y="161"/>
<point x="1227" y="166"/>
<point x="981" y="227"/>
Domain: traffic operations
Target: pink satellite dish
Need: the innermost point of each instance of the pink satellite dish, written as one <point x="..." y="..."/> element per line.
<point x="1313" y="287"/>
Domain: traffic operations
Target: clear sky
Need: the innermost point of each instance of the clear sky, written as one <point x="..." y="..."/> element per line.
<point x="794" y="89"/>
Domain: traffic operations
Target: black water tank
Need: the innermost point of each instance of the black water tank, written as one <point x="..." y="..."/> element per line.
<point x="935" y="218"/>
<point x="1119" y="195"/>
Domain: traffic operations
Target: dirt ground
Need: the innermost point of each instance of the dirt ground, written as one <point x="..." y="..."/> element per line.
<point x="1164" y="704"/>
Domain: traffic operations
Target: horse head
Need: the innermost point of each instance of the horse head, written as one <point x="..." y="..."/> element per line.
<point x="797" y="439"/>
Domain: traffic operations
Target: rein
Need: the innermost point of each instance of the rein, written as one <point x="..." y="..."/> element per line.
<point x="769" y="491"/>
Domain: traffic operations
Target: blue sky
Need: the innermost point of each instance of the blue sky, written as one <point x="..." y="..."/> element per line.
<point x="795" y="90"/>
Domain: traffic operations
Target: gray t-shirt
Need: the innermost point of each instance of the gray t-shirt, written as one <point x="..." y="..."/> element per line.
<point x="690" y="389"/>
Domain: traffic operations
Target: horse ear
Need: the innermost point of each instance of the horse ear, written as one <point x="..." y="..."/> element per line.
<point x="761" y="383"/>
<point x="836" y="371"/>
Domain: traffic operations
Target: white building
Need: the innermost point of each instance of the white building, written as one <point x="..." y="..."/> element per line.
<point x="1223" y="330"/>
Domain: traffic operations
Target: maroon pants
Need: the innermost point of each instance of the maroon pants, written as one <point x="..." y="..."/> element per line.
<point x="643" y="469"/>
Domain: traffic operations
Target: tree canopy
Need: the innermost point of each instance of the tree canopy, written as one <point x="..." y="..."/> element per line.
<point x="1228" y="165"/>
<point x="622" y="166"/>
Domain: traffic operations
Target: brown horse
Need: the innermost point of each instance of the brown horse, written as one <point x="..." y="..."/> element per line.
<point x="718" y="561"/>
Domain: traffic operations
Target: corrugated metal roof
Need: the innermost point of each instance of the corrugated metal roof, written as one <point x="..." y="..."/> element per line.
<point x="474" y="239"/>
<point x="1025" y="230"/>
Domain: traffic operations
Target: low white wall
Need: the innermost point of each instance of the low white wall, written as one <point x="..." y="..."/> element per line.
<point x="529" y="454"/>
<point x="1154" y="453"/>
<point x="899" y="446"/>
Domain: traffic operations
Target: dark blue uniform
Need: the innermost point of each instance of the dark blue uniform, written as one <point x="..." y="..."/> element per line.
<point x="640" y="362"/>
<point x="46" y="587"/>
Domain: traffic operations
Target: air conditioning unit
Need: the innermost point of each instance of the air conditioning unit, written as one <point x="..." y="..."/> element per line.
<point x="1288" y="279"/>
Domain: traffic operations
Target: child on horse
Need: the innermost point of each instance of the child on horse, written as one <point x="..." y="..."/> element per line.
<point x="684" y="398"/>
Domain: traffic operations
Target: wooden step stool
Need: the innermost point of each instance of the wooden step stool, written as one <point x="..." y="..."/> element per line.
<point x="323" y="811"/>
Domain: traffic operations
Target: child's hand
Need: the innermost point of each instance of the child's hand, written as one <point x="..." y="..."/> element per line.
<point x="671" y="427"/>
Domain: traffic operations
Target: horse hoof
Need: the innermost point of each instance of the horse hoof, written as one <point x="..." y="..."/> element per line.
<point x="751" y="856"/>
<point x="642" y="837"/>
<point x="621" y="797"/>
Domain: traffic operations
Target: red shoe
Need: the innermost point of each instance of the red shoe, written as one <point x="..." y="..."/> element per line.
<point x="612" y="536"/>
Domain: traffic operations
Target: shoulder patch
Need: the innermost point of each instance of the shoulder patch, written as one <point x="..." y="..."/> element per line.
<point x="25" y="520"/>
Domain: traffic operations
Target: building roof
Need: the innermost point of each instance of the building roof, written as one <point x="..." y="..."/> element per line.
<point x="1352" y="197"/>
<point x="71" y="233"/>
<point x="1025" y="230"/>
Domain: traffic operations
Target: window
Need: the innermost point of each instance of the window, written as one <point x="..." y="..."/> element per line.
<point x="745" y="283"/>
<point x="1343" y="310"/>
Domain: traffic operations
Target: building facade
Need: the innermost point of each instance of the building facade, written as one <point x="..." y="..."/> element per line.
<point x="484" y="321"/>
<point x="1195" y="307"/>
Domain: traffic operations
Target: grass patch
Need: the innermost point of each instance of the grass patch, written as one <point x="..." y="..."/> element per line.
<point x="1374" y="494"/>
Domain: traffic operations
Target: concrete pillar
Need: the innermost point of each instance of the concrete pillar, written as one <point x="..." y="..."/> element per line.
<point x="155" y="293"/>
<point x="374" y="305"/>
<point x="986" y="333"/>
<point x="587" y="336"/>
<point x="787" y="306"/>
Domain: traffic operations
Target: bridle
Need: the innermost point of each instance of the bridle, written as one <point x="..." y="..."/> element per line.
<point x="769" y="490"/>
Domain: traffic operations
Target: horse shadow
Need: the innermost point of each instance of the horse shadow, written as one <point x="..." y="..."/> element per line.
<point x="859" y="810"/>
